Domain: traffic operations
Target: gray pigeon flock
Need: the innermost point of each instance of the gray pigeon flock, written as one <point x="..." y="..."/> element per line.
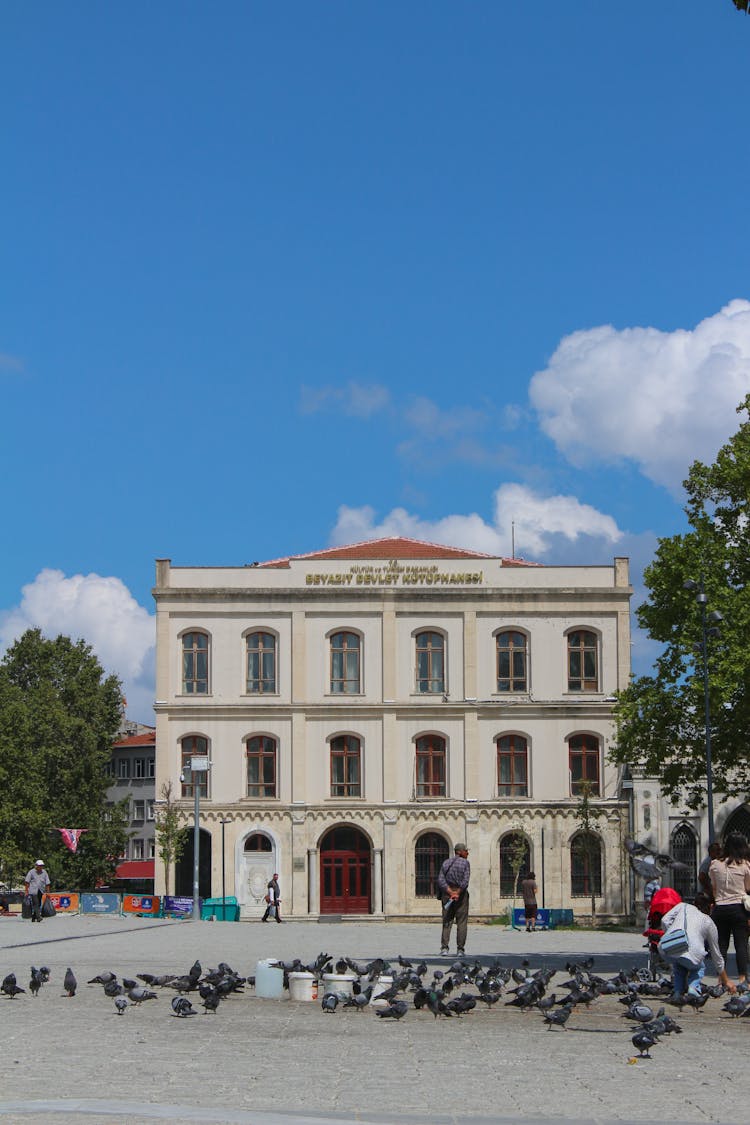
<point x="466" y="986"/>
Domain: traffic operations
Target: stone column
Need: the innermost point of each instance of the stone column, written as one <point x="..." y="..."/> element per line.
<point x="313" y="882"/>
<point x="377" y="881"/>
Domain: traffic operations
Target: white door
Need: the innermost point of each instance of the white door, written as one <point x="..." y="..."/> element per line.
<point x="257" y="869"/>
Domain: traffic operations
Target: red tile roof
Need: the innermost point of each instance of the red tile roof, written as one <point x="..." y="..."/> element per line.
<point x="135" y="869"/>
<point x="148" y="739"/>
<point x="394" y="547"/>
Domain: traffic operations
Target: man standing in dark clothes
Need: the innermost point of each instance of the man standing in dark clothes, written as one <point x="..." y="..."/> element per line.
<point x="273" y="898"/>
<point x="528" y="890"/>
<point x="453" y="883"/>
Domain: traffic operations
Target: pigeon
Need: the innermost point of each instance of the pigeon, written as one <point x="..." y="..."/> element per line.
<point x="102" y="978"/>
<point x="113" y="988"/>
<point x="329" y="1003"/>
<point x="643" y="1040"/>
<point x="648" y="863"/>
<point x="195" y="970"/>
<point x="139" y="994"/>
<point x="211" y="1002"/>
<point x="36" y="981"/>
<point x="70" y="984"/>
<point x="182" y="1007"/>
<point x="361" y="1001"/>
<point x="396" y="1010"/>
<point x="558" y="1018"/>
<point x="736" y="1005"/>
<point x="10" y="987"/>
<point x="121" y="1004"/>
<point x="696" y="1002"/>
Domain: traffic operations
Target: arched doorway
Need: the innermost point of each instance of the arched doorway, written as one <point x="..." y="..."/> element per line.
<point x="258" y="864"/>
<point x="345" y="863"/>
<point x="183" y="872"/>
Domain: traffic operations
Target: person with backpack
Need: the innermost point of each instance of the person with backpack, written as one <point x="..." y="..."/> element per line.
<point x="453" y="885"/>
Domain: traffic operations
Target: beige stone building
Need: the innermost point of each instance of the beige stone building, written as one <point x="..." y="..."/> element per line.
<point x="365" y="707"/>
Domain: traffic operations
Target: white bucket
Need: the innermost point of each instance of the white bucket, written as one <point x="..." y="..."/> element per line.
<point x="269" y="980"/>
<point x="380" y="986"/>
<point x="302" y="986"/>
<point x="340" y="983"/>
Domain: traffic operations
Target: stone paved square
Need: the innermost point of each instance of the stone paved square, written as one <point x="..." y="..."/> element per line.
<point x="282" y="1061"/>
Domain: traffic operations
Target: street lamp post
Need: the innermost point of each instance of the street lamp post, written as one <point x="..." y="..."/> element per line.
<point x="198" y="766"/>
<point x="706" y="631"/>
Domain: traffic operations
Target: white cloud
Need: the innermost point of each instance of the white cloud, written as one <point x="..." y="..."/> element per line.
<point x="102" y="612"/>
<point x="357" y="400"/>
<point x="543" y="527"/>
<point x="659" y="399"/>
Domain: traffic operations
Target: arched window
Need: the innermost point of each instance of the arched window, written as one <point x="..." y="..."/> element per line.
<point x="739" y="821"/>
<point x="512" y="662"/>
<point x="261" y="766"/>
<point x="583" y="664"/>
<point x="346" y="766"/>
<point x="430" y="669"/>
<point x="261" y="664"/>
<point x="685" y="849"/>
<point x="195" y="664"/>
<point x="585" y="864"/>
<point x="430" y="766"/>
<point x="583" y="759"/>
<point x="512" y="766"/>
<point x="430" y="852"/>
<point x="515" y="862"/>
<point x="258" y="843"/>
<point x="193" y="746"/>
<point x="345" y="664"/>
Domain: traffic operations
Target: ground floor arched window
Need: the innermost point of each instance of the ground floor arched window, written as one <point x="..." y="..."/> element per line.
<point x="684" y="849"/>
<point x="585" y="864"/>
<point x="515" y="857"/>
<point x="430" y="853"/>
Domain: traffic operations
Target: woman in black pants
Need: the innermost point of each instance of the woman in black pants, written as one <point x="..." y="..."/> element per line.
<point x="730" y="880"/>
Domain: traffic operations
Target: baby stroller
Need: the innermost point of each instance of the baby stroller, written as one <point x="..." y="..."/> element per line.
<point x="661" y="904"/>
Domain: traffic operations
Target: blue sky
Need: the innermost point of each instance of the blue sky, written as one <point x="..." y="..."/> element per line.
<point x="281" y="276"/>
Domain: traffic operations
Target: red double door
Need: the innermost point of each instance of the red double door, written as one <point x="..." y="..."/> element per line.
<point x="345" y="865"/>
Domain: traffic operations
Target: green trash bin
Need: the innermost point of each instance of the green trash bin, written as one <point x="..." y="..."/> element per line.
<point x="222" y="909"/>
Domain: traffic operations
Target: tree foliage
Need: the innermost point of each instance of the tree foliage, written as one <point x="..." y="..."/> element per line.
<point x="661" y="717"/>
<point x="171" y="837"/>
<point x="59" y="714"/>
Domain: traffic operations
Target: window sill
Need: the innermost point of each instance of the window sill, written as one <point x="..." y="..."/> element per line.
<point x="261" y="694"/>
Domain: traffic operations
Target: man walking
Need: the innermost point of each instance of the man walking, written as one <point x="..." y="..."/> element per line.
<point x="273" y="898"/>
<point x="453" y="884"/>
<point x="36" y="883"/>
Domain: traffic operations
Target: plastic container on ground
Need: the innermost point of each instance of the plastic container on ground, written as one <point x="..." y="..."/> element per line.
<point x="340" y="983"/>
<point x="269" y="980"/>
<point x="223" y="909"/>
<point x="381" y="985"/>
<point x="303" y="986"/>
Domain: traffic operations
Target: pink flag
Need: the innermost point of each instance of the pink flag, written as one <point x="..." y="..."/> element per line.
<point x="71" y="836"/>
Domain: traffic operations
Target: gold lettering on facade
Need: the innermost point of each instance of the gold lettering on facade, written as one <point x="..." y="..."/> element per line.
<point x="395" y="574"/>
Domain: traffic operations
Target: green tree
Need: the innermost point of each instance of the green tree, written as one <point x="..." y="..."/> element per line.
<point x="516" y="858"/>
<point x="661" y="717"/>
<point x="59" y="713"/>
<point x="171" y="837"/>
<point x="587" y="841"/>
